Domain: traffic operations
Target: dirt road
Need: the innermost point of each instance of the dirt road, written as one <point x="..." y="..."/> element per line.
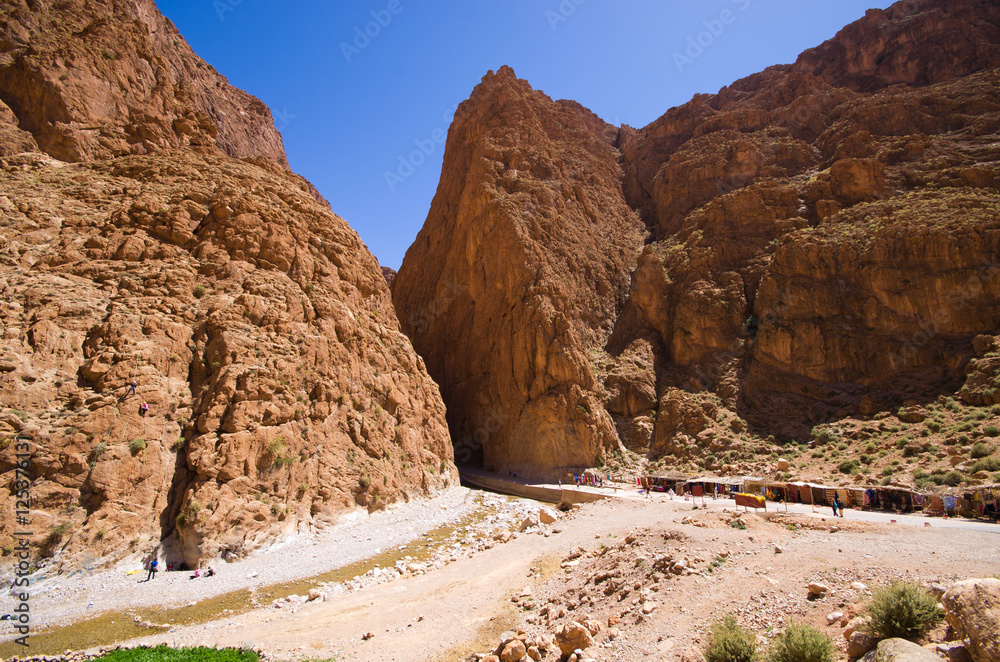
<point x="463" y="607"/>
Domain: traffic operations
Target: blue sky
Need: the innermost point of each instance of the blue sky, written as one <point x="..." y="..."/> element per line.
<point x="349" y="105"/>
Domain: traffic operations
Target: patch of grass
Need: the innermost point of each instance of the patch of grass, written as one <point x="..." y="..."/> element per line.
<point x="199" y="291"/>
<point x="902" y="609"/>
<point x="801" y="643"/>
<point x="164" y="654"/>
<point x="933" y="426"/>
<point x="991" y="431"/>
<point x="137" y="445"/>
<point x="178" y="444"/>
<point x="728" y="642"/>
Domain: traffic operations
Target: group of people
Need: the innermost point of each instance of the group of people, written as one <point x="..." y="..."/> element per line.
<point x="838" y="505"/>
<point x="154" y="565"/>
<point x="144" y="407"/>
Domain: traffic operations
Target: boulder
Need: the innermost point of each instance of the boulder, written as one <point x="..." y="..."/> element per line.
<point x="859" y="644"/>
<point x="818" y="590"/>
<point x="853" y="625"/>
<point x="514" y="651"/>
<point x="547" y="515"/>
<point x="529" y="522"/>
<point x="572" y="637"/>
<point x="954" y="651"/>
<point x="972" y="608"/>
<point x="900" y="650"/>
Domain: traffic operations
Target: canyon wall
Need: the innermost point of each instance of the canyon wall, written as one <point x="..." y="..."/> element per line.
<point x="152" y="232"/>
<point x="818" y="241"/>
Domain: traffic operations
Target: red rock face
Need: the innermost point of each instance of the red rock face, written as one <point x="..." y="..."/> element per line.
<point x="93" y="79"/>
<point x="822" y="242"/>
<point x="259" y="330"/>
<point x="517" y="277"/>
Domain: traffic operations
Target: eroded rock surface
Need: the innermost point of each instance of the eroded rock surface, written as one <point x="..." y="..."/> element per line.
<point x="257" y="327"/>
<point x="822" y="242"/>
<point x="517" y="276"/>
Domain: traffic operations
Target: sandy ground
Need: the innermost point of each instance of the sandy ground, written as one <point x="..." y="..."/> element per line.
<point x="462" y="608"/>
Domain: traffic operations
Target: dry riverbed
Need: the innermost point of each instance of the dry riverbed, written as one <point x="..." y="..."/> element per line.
<point x="647" y="576"/>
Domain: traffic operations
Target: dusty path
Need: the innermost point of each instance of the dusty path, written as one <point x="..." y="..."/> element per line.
<point x="462" y="608"/>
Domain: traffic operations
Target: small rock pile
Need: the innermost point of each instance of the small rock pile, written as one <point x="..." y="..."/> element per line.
<point x="605" y="588"/>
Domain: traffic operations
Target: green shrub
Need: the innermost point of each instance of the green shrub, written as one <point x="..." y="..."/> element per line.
<point x="178" y="444"/>
<point x="823" y="436"/>
<point x="903" y="610"/>
<point x="953" y="478"/>
<point x="991" y="431"/>
<point x="849" y="467"/>
<point x="801" y="643"/>
<point x="933" y="426"/>
<point x="365" y="481"/>
<point x="728" y="642"/>
<point x="137" y="445"/>
<point x="199" y="291"/>
<point x="981" y="450"/>
<point x="986" y="464"/>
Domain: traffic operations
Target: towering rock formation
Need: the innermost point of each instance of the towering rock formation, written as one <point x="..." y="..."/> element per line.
<point x="518" y="274"/>
<point x="822" y="242"/>
<point x="152" y="232"/>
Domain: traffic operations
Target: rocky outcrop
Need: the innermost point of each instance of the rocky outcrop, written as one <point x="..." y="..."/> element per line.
<point x="92" y="79"/>
<point x="257" y="328"/>
<point x="822" y="242"/>
<point x="513" y="284"/>
<point x="972" y="608"/>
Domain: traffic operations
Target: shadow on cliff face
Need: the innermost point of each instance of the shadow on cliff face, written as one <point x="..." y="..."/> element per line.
<point x="820" y="243"/>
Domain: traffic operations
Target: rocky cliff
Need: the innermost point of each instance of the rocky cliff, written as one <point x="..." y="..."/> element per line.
<point x="152" y="233"/>
<point x="518" y="274"/>
<point x="821" y="243"/>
